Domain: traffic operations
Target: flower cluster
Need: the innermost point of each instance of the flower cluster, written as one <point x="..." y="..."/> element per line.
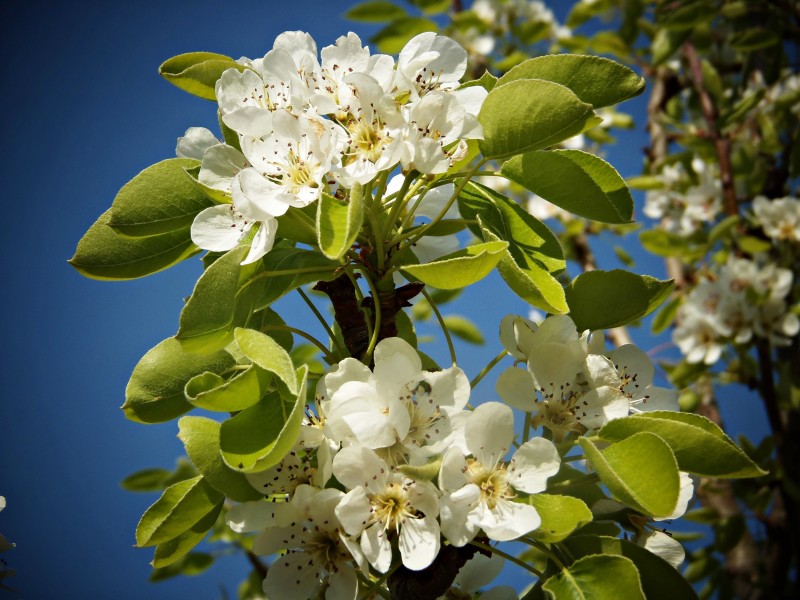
<point x="684" y="202"/>
<point x="391" y="461"/>
<point x="779" y="218"/>
<point x="732" y="303"/>
<point x="570" y="384"/>
<point x="307" y="125"/>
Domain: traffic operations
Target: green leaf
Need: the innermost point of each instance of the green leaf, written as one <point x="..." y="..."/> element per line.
<point x="752" y="245"/>
<point x="173" y="550"/>
<point x="577" y="181"/>
<point x="561" y="515"/>
<point x="179" y="508"/>
<point x="267" y="354"/>
<point x="666" y="42"/>
<point x="660" y="580"/>
<point x="686" y="17"/>
<point x="197" y="72"/>
<point x="463" y="328"/>
<point x="392" y="38"/>
<point x="595" y="80"/>
<point x="155" y="392"/>
<point x="605" y="299"/>
<point x="640" y="471"/>
<point x="259" y="437"/>
<point x="193" y="563"/>
<point x="461" y="268"/>
<point x="432" y="7"/>
<point x="339" y="223"/>
<point x="200" y="437"/>
<point x="487" y="81"/>
<point x="699" y="446"/>
<point x="530" y="114"/>
<point x="146" y="480"/>
<point x="228" y="293"/>
<point x="666" y="315"/>
<point x="598" y="577"/>
<point x="211" y="392"/>
<point x="533" y="253"/>
<point x="102" y="254"/>
<point x="161" y="199"/>
<point x="376" y="11"/>
<point x="666" y="243"/>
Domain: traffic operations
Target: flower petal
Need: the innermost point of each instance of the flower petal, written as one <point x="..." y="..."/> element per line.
<point x="489" y="431"/>
<point x="533" y="463"/>
<point x="419" y="542"/>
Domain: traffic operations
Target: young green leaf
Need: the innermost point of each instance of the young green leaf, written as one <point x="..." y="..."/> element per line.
<point x="209" y="391"/>
<point x="461" y="268"/>
<point x="375" y="11"/>
<point x="171" y="551"/>
<point x="640" y="471"/>
<point x="161" y="199"/>
<point x="259" y="437"/>
<point x="561" y="515"/>
<point x="596" y="80"/>
<point x="339" y="223"/>
<point x="531" y="114"/>
<point x="192" y="563"/>
<point x="577" y="181"/>
<point x="463" y="328"/>
<point x="200" y="437"/>
<point x="268" y="355"/>
<point x="699" y="445"/>
<point x="102" y="254"/>
<point x="155" y="392"/>
<point x="392" y="38"/>
<point x="197" y="72"/>
<point x="605" y="299"/>
<point x="599" y="577"/>
<point x="179" y="508"/>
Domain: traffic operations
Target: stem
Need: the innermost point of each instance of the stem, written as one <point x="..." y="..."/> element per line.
<point x="507" y="556"/>
<point x="486" y="369"/>
<point x="526" y="428"/>
<point x="329" y="357"/>
<point x="375" y="589"/>
<point x="441" y="324"/>
<point x="321" y="319"/>
<point x="376" y="328"/>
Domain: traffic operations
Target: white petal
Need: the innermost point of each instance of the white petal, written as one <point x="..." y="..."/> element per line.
<point x="507" y="520"/>
<point x="376" y="547"/>
<point x="656" y="398"/>
<point x="419" y="542"/>
<point x="257" y="196"/>
<point x="517" y="389"/>
<point x="218" y="228"/>
<point x="479" y="572"/>
<point x="600" y="406"/>
<point x="220" y="165"/>
<point x="262" y="242"/>
<point x="342" y="585"/>
<point x="291" y="576"/>
<point x="195" y="142"/>
<point x="533" y="463"/>
<point x="454" y="513"/>
<point x="452" y="473"/>
<point x="663" y="545"/>
<point x="354" y="510"/>
<point x="251" y="516"/>
<point x="489" y="431"/>
<point x="396" y="362"/>
<point x="356" y="466"/>
<point x="631" y="361"/>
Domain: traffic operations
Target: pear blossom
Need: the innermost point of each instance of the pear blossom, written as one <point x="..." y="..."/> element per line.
<point x="779" y="218"/>
<point x="430" y="62"/>
<point x="383" y="504"/>
<point x="477" y="573"/>
<point x="479" y="491"/>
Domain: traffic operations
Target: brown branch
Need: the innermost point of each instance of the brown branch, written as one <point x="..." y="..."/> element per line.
<point x="347" y="313"/>
<point x="722" y="144"/>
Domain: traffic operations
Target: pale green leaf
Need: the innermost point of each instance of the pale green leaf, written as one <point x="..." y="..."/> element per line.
<point x="605" y="299"/>
<point x="561" y="515"/>
<point x="463" y="328"/>
<point x="259" y="437"/>
<point x="212" y="392"/>
<point x="146" y="480"/>
<point x="392" y="38"/>
<point x="660" y="580"/>
<point x="155" y="392"/>
<point x="699" y="445"/>
<point x="200" y="437"/>
<point x="598" y="577"/>
<point x="267" y="354"/>
<point x="577" y="181"/>
<point x="160" y="199"/>
<point x="461" y="268"/>
<point x="530" y="114"/>
<point x="641" y="471"/>
<point x="102" y="254"/>
<point x="596" y="80"/>
<point x="193" y="563"/>
<point x="228" y="293"/>
<point x="197" y="72"/>
<point x="173" y="550"/>
<point x="179" y="508"/>
<point x="339" y="223"/>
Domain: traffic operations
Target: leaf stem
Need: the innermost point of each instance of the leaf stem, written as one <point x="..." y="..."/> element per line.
<point x="322" y="320"/>
<point x="442" y="324"/>
<point x="486" y="369"/>
<point x="507" y="556"/>
<point x="376" y="327"/>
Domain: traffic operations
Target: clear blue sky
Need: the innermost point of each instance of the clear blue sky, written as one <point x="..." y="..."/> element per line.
<point x="83" y="111"/>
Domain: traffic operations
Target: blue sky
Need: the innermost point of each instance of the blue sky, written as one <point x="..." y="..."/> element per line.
<point x="84" y="110"/>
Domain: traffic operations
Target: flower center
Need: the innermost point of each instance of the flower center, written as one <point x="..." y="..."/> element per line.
<point x="492" y="482"/>
<point x="392" y="506"/>
<point x="325" y="549"/>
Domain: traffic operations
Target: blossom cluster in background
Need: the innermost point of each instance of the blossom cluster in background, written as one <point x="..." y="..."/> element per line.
<point x="307" y="125"/>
